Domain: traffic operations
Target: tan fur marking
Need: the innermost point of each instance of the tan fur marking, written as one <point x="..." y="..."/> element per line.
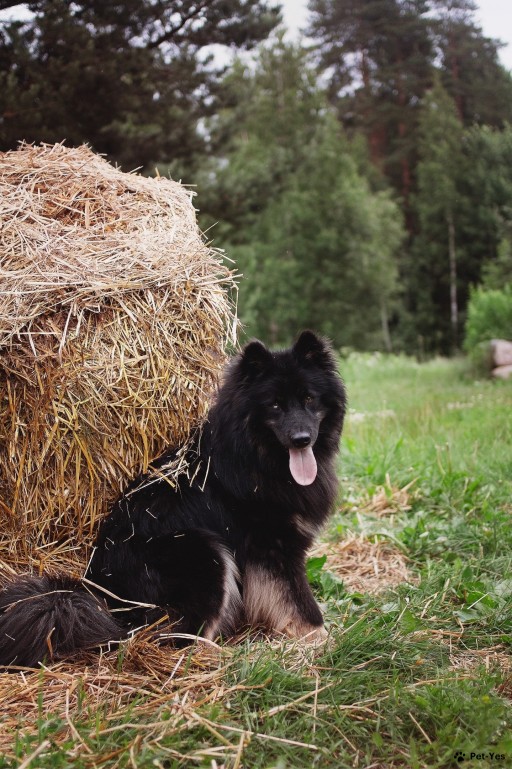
<point x="231" y="608"/>
<point x="267" y="602"/>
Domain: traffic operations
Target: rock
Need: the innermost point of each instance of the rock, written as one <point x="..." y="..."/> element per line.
<point x="501" y="351"/>
<point x="502" y="372"/>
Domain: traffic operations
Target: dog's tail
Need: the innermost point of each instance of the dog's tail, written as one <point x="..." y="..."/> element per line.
<point x="50" y="617"/>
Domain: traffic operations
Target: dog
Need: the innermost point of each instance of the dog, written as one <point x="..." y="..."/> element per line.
<point x="221" y="546"/>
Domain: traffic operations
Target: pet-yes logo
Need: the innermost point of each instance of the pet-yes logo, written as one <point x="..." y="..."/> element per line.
<point x="474" y="755"/>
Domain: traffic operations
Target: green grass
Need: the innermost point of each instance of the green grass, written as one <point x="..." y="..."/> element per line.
<point x="385" y="691"/>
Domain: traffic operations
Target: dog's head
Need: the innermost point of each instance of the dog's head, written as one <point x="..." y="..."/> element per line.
<point x="293" y="393"/>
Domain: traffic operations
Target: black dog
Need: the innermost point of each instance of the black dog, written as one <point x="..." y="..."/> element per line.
<point x="223" y="545"/>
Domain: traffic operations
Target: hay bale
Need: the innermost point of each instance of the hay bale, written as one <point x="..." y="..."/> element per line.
<point x="114" y="315"/>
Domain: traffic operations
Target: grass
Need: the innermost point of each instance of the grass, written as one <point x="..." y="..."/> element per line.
<point x="418" y="675"/>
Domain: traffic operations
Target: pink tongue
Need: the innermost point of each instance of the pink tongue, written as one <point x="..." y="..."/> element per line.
<point x="303" y="465"/>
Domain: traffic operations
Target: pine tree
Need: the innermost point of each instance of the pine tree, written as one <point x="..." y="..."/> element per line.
<point x="131" y="78"/>
<point x="378" y="54"/>
<point x="382" y="56"/>
<point x="469" y="64"/>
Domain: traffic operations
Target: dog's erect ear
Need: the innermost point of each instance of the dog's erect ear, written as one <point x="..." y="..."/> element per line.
<point x="255" y="358"/>
<point x="312" y="349"/>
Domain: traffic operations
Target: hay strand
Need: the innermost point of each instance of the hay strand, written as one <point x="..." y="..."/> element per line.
<point x="363" y="565"/>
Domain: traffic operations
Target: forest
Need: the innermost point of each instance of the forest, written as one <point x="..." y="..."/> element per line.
<point x="360" y="180"/>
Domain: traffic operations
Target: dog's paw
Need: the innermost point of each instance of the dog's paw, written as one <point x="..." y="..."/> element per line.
<point x="309" y="634"/>
<point x="316" y="636"/>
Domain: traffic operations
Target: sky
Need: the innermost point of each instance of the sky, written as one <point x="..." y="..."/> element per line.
<point x="494" y="16"/>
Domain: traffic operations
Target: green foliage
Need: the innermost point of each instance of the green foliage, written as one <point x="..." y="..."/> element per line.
<point x="436" y="270"/>
<point x="315" y="245"/>
<point x="131" y="78"/>
<point x="425" y="87"/>
<point x="486" y="188"/>
<point x="469" y="65"/>
<point x="323" y="581"/>
<point x="498" y="272"/>
<point x="470" y="171"/>
<point x="440" y="138"/>
<point x="489" y="317"/>
<point x="379" y="58"/>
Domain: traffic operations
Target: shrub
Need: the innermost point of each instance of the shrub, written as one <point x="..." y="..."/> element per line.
<point x="489" y="316"/>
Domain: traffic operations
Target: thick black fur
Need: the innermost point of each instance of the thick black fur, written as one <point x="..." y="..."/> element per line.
<point x="226" y="545"/>
<point x="51" y="615"/>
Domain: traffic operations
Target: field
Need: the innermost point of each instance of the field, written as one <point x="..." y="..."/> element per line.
<point x="417" y="589"/>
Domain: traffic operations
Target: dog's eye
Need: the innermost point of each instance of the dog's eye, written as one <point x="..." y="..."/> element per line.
<point x="308" y="400"/>
<point x="275" y="406"/>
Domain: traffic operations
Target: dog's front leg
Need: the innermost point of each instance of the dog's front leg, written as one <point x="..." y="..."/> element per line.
<point x="282" y="601"/>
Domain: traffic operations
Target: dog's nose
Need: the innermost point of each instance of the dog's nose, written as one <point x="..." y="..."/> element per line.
<point x="301" y="440"/>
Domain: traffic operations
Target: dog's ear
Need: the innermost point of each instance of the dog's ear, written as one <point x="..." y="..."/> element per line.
<point x="255" y="358"/>
<point x="312" y="349"/>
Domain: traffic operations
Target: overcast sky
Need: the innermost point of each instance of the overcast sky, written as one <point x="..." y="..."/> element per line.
<point x="494" y="16"/>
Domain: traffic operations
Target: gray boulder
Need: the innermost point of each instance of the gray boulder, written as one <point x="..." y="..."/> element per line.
<point x="501" y="352"/>
<point x="502" y="372"/>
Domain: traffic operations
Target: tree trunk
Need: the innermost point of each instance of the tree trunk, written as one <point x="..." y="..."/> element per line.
<point x="454" y="308"/>
<point x="388" y="345"/>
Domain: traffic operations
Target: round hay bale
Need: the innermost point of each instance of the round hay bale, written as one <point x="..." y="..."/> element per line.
<point x="114" y="316"/>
